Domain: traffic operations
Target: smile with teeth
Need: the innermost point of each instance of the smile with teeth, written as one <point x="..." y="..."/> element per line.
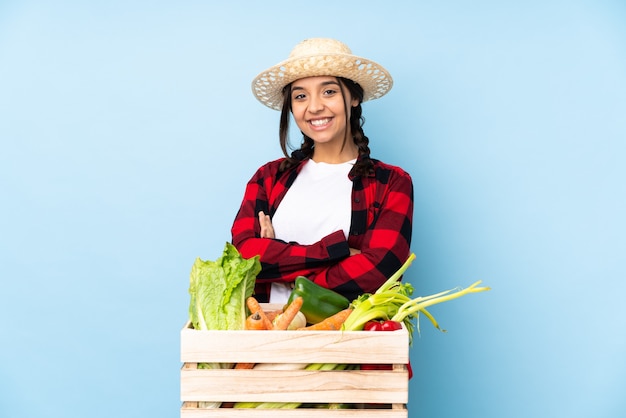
<point x="319" y="122"/>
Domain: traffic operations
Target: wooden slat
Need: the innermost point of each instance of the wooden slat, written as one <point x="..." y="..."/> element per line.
<point x="294" y="413"/>
<point x="354" y="386"/>
<point x="356" y="347"/>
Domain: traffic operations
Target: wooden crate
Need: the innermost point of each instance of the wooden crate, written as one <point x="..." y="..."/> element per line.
<point x="376" y="393"/>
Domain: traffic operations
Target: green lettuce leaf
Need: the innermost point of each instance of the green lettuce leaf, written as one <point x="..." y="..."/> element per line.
<point x="218" y="290"/>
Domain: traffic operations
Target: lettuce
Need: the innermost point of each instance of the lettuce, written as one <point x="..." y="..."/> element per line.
<point x="219" y="290"/>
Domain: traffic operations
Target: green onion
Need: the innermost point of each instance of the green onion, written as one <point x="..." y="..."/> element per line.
<point x="291" y="405"/>
<point x="392" y="301"/>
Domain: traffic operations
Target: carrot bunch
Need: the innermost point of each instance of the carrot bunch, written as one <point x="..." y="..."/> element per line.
<point x="260" y="320"/>
<point x="332" y="323"/>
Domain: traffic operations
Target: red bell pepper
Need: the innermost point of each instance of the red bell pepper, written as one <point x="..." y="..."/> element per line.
<point x="383" y="326"/>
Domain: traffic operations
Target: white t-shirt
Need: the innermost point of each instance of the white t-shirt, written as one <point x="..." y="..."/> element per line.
<point x="318" y="203"/>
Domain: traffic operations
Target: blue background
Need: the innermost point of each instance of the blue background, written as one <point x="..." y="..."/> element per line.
<point x="128" y="131"/>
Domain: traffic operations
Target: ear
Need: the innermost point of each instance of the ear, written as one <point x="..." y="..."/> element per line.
<point x="355" y="102"/>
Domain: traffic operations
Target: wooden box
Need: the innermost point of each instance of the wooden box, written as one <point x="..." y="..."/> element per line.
<point x="371" y="393"/>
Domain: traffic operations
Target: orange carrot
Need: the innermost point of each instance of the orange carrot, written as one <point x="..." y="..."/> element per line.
<point x="282" y="322"/>
<point x="255" y="307"/>
<point x="244" y="366"/>
<point x="332" y="323"/>
<point x="255" y="322"/>
<point x="271" y="315"/>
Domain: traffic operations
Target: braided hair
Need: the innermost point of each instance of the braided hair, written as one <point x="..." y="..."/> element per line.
<point x="364" y="165"/>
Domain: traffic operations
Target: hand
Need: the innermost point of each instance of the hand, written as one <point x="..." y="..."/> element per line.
<point x="354" y="251"/>
<point x="267" y="229"/>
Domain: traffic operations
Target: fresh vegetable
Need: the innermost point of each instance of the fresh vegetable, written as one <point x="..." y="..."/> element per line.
<point x="255" y="307"/>
<point x="280" y="366"/>
<point x="332" y="323"/>
<point x="271" y="315"/>
<point x="255" y="322"/>
<point x="384" y="326"/>
<point x="287" y="366"/>
<point x="391" y="307"/>
<point x="298" y="322"/>
<point x="283" y="320"/>
<point x="244" y="366"/>
<point x="340" y="406"/>
<point x="392" y="301"/>
<point x="318" y="302"/>
<point x="219" y="289"/>
<point x="259" y="321"/>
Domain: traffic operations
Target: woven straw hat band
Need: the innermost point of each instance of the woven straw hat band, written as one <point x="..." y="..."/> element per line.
<point x="318" y="57"/>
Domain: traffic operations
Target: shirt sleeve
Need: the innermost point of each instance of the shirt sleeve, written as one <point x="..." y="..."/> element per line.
<point x="384" y="246"/>
<point x="280" y="260"/>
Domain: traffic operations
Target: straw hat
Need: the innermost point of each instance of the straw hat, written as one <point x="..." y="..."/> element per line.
<point x="316" y="57"/>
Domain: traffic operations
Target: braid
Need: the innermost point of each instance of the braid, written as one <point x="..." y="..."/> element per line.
<point x="306" y="148"/>
<point x="364" y="165"/>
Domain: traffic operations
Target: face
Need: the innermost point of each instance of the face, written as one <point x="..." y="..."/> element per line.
<point x="318" y="108"/>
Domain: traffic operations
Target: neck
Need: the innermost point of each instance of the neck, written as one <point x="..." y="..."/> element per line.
<point x="327" y="153"/>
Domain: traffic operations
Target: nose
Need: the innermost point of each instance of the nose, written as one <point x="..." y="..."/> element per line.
<point x="316" y="104"/>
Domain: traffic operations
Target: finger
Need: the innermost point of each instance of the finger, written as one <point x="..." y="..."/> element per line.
<point x="265" y="223"/>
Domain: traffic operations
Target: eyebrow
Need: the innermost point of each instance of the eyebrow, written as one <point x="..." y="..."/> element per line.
<point x="322" y="84"/>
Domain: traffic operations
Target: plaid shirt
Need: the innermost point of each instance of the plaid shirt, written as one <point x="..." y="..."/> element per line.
<point x="381" y="226"/>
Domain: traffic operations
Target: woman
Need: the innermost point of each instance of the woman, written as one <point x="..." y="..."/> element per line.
<point x="327" y="211"/>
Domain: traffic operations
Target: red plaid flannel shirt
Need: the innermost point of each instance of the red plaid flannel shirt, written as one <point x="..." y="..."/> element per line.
<point x="381" y="226"/>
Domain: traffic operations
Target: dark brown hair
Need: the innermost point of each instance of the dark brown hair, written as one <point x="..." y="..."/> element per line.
<point x="364" y="164"/>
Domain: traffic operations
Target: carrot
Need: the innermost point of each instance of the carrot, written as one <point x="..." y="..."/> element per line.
<point x="244" y="366"/>
<point x="282" y="322"/>
<point x="332" y="323"/>
<point x="271" y="315"/>
<point x="255" y="307"/>
<point x="255" y="322"/>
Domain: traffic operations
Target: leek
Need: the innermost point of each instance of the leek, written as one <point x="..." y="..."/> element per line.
<point x="287" y="366"/>
<point x="392" y="301"/>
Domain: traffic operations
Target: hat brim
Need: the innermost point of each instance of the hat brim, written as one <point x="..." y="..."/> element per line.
<point x="372" y="77"/>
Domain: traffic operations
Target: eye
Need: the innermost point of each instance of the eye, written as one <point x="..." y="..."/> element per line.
<point x="329" y="92"/>
<point x="299" y="96"/>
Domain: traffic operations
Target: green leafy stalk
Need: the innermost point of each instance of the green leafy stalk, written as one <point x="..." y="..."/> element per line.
<point x="393" y="280"/>
<point x="218" y="290"/>
<point x="393" y="301"/>
<point x="245" y="405"/>
<point x="419" y="304"/>
<point x="374" y="306"/>
<point x="291" y="405"/>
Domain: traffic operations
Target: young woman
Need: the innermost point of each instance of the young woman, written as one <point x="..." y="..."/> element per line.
<point x="327" y="211"/>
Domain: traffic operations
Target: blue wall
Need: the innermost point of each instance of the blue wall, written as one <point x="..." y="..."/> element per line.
<point x="128" y="131"/>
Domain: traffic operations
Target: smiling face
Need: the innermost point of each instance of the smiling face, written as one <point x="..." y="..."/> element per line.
<point x="319" y="110"/>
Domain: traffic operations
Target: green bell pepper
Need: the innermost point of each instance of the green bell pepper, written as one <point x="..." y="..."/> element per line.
<point x="318" y="303"/>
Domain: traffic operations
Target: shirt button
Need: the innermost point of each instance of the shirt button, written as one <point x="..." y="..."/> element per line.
<point x="357" y="200"/>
